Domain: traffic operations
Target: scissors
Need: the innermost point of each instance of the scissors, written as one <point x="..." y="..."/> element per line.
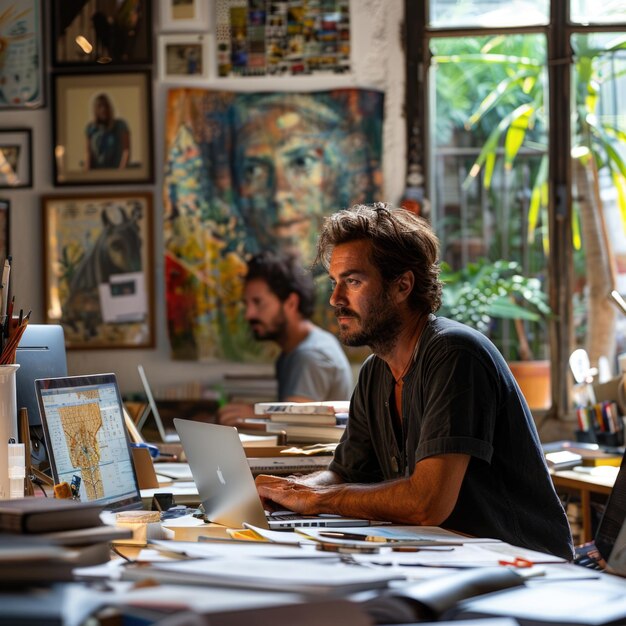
<point x="518" y="561"/>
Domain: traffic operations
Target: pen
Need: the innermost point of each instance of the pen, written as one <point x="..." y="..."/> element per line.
<point x="6" y="272"/>
<point x="336" y="535"/>
<point x="9" y="318"/>
<point x="347" y="549"/>
<point x="405" y="548"/>
<point x="353" y="536"/>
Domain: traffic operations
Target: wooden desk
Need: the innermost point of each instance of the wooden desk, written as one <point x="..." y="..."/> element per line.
<point x="585" y="485"/>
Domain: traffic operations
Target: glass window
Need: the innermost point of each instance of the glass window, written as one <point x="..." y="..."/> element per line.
<point x="487" y="13"/>
<point x="489" y="166"/>
<point x="595" y="12"/>
<point x="599" y="179"/>
<point x="490" y="181"/>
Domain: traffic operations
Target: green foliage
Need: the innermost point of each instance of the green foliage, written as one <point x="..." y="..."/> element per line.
<point x="485" y="290"/>
<point x="495" y="87"/>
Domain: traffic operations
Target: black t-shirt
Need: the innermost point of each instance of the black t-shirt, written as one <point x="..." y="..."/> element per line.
<point x="459" y="397"/>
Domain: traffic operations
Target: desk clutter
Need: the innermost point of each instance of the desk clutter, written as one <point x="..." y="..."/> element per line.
<point x="378" y="574"/>
<point x="390" y="575"/>
<point x="174" y="565"/>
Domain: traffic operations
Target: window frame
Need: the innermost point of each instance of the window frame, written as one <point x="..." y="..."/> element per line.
<point x="558" y="34"/>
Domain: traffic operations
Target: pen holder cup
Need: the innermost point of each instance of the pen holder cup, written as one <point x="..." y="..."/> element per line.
<point x="610" y="440"/>
<point x="585" y="436"/>
<point x="8" y="423"/>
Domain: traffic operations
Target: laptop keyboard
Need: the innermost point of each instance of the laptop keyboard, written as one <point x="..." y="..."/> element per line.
<point x="284" y="517"/>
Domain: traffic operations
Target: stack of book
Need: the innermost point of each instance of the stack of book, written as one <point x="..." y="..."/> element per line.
<point x="43" y="539"/>
<point x="317" y="422"/>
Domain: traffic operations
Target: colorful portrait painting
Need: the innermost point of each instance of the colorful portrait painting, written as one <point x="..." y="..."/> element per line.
<point x="252" y="171"/>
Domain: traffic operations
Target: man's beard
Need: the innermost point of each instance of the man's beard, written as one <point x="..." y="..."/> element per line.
<point x="274" y="331"/>
<point x="379" y="328"/>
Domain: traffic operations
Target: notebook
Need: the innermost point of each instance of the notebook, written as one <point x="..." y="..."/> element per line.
<point x="85" y="434"/>
<point x="606" y="534"/>
<point x="226" y="486"/>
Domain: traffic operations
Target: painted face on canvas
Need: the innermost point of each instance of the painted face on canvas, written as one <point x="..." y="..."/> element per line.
<point x="288" y="178"/>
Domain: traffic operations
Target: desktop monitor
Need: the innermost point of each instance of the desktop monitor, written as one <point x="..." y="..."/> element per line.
<point x="40" y="354"/>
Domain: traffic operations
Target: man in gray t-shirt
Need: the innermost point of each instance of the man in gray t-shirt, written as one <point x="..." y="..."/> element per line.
<point x="317" y="369"/>
<point x="279" y="298"/>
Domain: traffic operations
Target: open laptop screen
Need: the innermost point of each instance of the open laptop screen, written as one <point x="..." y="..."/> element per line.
<point x="83" y="422"/>
<point x="152" y="406"/>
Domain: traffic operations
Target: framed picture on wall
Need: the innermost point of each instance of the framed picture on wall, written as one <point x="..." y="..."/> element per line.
<point x="102" y="128"/>
<point x="98" y="269"/>
<point x="101" y="34"/>
<point x="176" y="15"/>
<point x="183" y="58"/>
<point x="16" y="165"/>
<point x="21" y="49"/>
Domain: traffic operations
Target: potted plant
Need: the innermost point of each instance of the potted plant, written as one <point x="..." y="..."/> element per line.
<point x="484" y="292"/>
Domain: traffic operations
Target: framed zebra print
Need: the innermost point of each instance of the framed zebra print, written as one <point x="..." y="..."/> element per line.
<point x="98" y="263"/>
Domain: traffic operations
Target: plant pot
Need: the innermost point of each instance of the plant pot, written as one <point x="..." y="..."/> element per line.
<point x="533" y="378"/>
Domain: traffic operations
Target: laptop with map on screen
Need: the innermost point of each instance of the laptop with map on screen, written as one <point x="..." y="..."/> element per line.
<point x="85" y="434"/>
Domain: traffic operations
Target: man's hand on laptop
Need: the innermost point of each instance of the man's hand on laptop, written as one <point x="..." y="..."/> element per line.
<point x="287" y="493"/>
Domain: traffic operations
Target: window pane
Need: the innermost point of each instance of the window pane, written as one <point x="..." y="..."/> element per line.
<point x="490" y="169"/>
<point x="594" y="12"/>
<point x="487" y="13"/>
<point x="599" y="178"/>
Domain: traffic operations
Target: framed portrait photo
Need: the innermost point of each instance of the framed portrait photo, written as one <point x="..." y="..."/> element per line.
<point x="177" y="15"/>
<point x="102" y="128"/>
<point x="183" y="58"/>
<point x="98" y="269"/>
<point x="16" y="165"/>
<point x="100" y="34"/>
<point x="21" y="49"/>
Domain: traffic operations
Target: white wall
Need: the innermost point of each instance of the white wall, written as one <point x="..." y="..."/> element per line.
<point x="377" y="61"/>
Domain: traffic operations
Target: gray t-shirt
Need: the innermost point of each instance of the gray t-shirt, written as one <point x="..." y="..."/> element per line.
<point x="459" y="397"/>
<point x="316" y="368"/>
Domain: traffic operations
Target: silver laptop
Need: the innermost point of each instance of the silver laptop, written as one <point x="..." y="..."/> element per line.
<point x="166" y="436"/>
<point x="226" y="486"/>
